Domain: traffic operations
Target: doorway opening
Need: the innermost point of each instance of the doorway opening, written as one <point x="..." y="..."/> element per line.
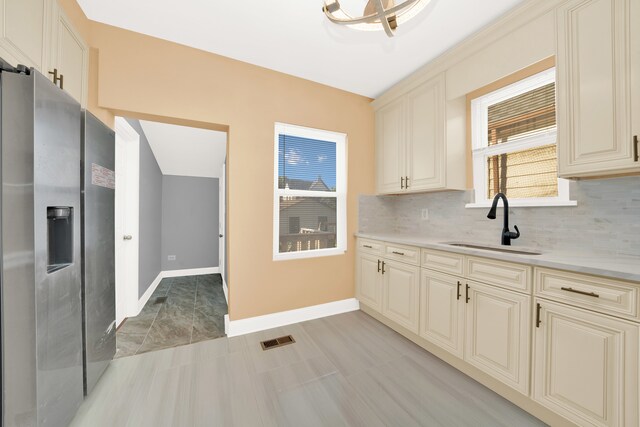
<point x="178" y="294"/>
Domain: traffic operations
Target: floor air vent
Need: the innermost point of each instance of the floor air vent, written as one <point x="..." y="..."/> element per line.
<point x="160" y="300"/>
<point x="277" y="342"/>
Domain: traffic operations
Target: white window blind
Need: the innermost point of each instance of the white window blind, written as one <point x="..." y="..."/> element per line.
<point x="309" y="192"/>
<point x="514" y="144"/>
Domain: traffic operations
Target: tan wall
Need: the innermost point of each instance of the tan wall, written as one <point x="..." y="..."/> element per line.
<point x="141" y="76"/>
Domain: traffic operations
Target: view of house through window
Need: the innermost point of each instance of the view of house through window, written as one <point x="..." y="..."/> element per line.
<point x="310" y="189"/>
<point x="514" y="142"/>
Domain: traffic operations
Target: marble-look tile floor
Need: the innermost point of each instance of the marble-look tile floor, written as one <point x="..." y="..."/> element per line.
<point x="344" y="370"/>
<point x="193" y="311"/>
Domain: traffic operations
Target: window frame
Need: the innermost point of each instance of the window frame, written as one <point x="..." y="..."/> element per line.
<point x="481" y="150"/>
<point x="340" y="139"/>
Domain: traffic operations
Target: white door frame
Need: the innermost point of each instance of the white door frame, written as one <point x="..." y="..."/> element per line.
<point x="127" y="219"/>
<point x="222" y="225"/>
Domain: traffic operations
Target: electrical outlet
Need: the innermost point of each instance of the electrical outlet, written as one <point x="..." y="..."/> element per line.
<point x="425" y="214"/>
<point x="171" y="257"/>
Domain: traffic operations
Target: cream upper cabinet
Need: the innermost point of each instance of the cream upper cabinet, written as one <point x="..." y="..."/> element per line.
<point x="586" y="366"/>
<point x="69" y="55"/>
<point x="598" y="83"/>
<point x="497" y="334"/>
<point x="369" y="280"/>
<point x="37" y="33"/>
<point x="425" y="137"/>
<point x="400" y="302"/>
<point x="410" y="140"/>
<point x="390" y="148"/>
<point x="22" y="31"/>
<point x="442" y="309"/>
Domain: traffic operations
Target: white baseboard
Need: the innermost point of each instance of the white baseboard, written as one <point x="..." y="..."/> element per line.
<point x="259" y="323"/>
<point x="190" y="272"/>
<point x="147" y="294"/>
<point x="225" y="289"/>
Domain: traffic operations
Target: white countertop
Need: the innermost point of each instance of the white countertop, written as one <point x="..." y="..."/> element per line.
<point x="614" y="266"/>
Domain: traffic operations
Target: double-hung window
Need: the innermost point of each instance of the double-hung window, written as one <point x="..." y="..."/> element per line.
<point x="513" y="134"/>
<point x="309" y="193"/>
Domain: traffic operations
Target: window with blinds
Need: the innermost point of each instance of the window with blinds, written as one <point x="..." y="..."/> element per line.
<point x="514" y="143"/>
<point x="310" y="192"/>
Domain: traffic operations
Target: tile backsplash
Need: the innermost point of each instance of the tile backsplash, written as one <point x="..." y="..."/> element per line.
<point x="606" y="220"/>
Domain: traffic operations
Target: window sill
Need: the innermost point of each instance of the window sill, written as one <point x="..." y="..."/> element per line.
<point x="285" y="256"/>
<point x="525" y="204"/>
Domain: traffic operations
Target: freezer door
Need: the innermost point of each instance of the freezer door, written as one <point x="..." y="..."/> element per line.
<point x="41" y="312"/>
<point x="98" y="248"/>
<point x="56" y="180"/>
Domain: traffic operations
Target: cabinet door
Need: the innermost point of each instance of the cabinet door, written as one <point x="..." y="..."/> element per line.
<point x="369" y="280"/>
<point x="400" y="294"/>
<point x="22" y="33"/>
<point x="594" y="59"/>
<point x="497" y="334"/>
<point x="586" y="366"/>
<point x="70" y="55"/>
<point x="390" y="147"/>
<point x="426" y="136"/>
<point x="442" y="310"/>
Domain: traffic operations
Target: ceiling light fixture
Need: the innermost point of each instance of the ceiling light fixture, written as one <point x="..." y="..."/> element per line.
<point x="377" y="15"/>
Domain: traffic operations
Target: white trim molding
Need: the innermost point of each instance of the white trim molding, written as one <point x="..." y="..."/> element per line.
<point x="234" y="328"/>
<point x="225" y="289"/>
<point x="340" y="194"/>
<point x="190" y="272"/>
<point x="147" y="294"/>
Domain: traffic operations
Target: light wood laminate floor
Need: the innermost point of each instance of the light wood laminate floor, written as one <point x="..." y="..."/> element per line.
<point x="344" y="370"/>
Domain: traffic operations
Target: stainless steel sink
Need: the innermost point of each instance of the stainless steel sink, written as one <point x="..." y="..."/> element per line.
<point x="493" y="248"/>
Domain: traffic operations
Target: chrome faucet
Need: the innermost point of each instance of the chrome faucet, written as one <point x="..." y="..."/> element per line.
<point x="506" y="234"/>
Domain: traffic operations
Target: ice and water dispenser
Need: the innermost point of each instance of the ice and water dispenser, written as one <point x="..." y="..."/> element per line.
<point x="59" y="237"/>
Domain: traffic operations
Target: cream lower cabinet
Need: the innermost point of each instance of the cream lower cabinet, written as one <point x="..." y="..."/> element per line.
<point x="369" y="280"/>
<point x="487" y="326"/>
<point x="442" y="309"/>
<point x="400" y="287"/>
<point x="586" y="366"/>
<point x="497" y="333"/>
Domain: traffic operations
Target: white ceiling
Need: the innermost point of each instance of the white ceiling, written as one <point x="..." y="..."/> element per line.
<point x="294" y="37"/>
<point x="186" y="151"/>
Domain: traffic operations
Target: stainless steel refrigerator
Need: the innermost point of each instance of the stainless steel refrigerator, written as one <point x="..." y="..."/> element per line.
<point x="41" y="332"/>
<point x="98" y="247"/>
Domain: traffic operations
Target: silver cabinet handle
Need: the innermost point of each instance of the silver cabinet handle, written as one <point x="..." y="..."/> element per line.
<point x="127" y="237"/>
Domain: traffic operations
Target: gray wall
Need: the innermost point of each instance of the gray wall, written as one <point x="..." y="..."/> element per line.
<point x="150" y="213"/>
<point x="189" y="222"/>
<point x="606" y="220"/>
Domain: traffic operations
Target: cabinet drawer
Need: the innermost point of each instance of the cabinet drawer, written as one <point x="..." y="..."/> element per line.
<point x="370" y="246"/>
<point x="596" y="293"/>
<point x="408" y="254"/>
<point x="443" y="261"/>
<point x="499" y="273"/>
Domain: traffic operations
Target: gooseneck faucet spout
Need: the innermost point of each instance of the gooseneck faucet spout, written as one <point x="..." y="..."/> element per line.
<point x="507" y="235"/>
